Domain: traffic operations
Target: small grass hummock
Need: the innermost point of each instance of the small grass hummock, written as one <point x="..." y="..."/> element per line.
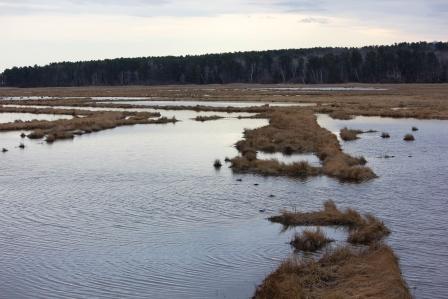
<point x="202" y="118"/>
<point x="349" y="134"/>
<point x="310" y="240"/>
<point x="414" y="129"/>
<point x="409" y="137"/>
<point x="217" y="164"/>
<point x="385" y="135"/>
<point x="4" y="150"/>
<point x="21" y="146"/>
<point x="370" y="271"/>
<point x="363" y="229"/>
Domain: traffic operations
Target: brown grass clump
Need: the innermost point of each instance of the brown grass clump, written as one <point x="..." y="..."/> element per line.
<point x="362" y="229"/>
<point x="340" y="114"/>
<point x="371" y="230"/>
<point x="345" y="272"/>
<point x="330" y="215"/>
<point x="37" y="134"/>
<point x="274" y="167"/>
<point x="310" y="240"/>
<point x="297" y="131"/>
<point x="409" y="137"/>
<point x="207" y="118"/>
<point x="217" y="164"/>
<point x="349" y="134"/>
<point x="342" y="273"/>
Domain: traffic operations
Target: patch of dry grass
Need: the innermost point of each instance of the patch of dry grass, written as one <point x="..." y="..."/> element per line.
<point x="274" y="167"/>
<point x="297" y="131"/>
<point x="341" y="273"/>
<point x="203" y="118"/>
<point x="310" y="240"/>
<point x="344" y="272"/>
<point x="349" y="134"/>
<point x="365" y="229"/>
<point x="408" y="137"/>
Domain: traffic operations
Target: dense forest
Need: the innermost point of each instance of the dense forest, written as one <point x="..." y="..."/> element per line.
<point x="399" y="63"/>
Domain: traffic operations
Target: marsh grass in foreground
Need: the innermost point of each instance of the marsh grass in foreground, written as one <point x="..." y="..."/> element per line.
<point x="342" y="273"/>
<point x="370" y="271"/>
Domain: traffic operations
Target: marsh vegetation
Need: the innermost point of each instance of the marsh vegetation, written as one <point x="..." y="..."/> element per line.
<point x="342" y="272"/>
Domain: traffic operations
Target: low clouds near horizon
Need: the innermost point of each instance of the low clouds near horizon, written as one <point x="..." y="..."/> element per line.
<point x="43" y="31"/>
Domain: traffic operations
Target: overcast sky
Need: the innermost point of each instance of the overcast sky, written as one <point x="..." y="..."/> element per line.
<point x="43" y="31"/>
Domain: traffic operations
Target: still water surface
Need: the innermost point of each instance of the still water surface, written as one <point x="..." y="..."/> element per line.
<point x="139" y="212"/>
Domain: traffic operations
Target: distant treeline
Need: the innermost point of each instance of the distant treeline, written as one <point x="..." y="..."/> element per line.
<point x="400" y="63"/>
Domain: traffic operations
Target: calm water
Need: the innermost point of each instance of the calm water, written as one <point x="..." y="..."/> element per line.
<point x="221" y="104"/>
<point x="139" y="212"/>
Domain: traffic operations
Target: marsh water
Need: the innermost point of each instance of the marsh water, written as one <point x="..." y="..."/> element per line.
<point x="140" y="212"/>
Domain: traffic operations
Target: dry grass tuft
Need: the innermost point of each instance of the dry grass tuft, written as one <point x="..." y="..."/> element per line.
<point x="385" y="135"/>
<point x="362" y="229"/>
<point x="349" y="134"/>
<point x="297" y="131"/>
<point x="330" y="215"/>
<point x="274" y="167"/>
<point x="217" y="164"/>
<point x="207" y="118"/>
<point x="342" y="273"/>
<point x="310" y="240"/>
<point x="370" y="231"/>
<point x="409" y="137"/>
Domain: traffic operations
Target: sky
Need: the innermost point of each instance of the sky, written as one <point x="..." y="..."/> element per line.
<point x="43" y="31"/>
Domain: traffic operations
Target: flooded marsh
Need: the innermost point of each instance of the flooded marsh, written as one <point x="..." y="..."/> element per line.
<point x="139" y="211"/>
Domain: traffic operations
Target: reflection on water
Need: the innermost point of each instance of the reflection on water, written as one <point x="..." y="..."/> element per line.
<point x="310" y="158"/>
<point x="140" y="212"/>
